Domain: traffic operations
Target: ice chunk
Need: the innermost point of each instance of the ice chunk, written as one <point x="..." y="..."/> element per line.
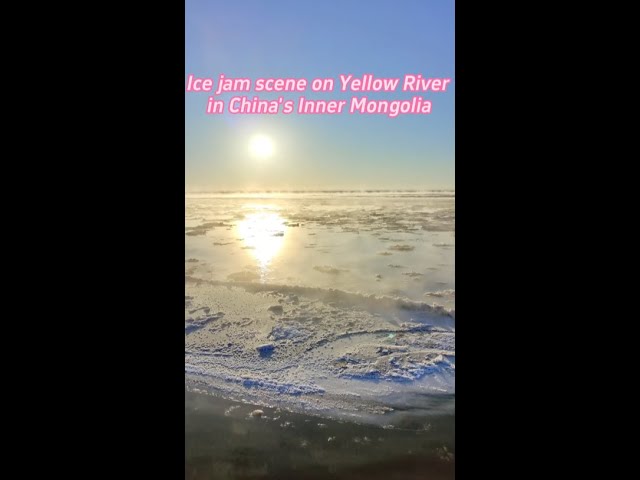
<point x="266" y="348"/>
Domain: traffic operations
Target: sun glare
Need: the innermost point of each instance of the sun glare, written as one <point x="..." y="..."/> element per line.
<point x="261" y="146"/>
<point x="263" y="235"/>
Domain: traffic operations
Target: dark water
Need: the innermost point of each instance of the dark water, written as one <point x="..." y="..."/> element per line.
<point x="223" y="441"/>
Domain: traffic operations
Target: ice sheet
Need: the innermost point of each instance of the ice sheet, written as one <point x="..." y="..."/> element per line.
<point x="337" y="303"/>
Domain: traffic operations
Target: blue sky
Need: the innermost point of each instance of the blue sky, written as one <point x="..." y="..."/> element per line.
<point x="281" y="38"/>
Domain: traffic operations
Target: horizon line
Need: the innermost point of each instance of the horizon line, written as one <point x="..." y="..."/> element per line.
<point x="318" y="190"/>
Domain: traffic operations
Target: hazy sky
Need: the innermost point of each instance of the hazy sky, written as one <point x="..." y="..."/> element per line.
<point x="280" y="38"/>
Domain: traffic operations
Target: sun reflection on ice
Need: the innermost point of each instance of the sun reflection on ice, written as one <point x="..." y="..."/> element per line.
<point x="262" y="233"/>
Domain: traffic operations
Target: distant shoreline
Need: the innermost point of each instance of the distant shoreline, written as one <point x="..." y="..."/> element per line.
<point x="336" y="190"/>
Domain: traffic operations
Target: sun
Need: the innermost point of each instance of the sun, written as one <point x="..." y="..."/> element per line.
<point x="261" y="146"/>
